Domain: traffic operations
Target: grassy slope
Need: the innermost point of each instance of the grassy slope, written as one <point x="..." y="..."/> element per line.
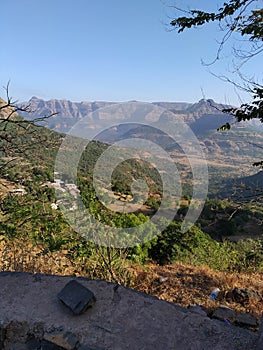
<point x="187" y="284"/>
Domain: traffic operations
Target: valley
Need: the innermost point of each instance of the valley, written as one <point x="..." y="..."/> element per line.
<point x="227" y="237"/>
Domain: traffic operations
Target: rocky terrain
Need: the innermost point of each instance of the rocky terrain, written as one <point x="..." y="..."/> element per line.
<point x="225" y="151"/>
<point x="33" y="316"/>
<point x="70" y="112"/>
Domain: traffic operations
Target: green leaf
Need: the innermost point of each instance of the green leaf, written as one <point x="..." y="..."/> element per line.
<point x="224" y="127"/>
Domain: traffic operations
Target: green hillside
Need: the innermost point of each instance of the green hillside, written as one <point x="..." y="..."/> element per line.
<point x="31" y="217"/>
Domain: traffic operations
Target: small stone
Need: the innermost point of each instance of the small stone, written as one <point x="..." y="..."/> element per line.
<point x="244" y="295"/>
<point x="67" y="341"/>
<point x="77" y="297"/>
<point x="224" y="312"/>
<point x="16" y="331"/>
<point x="246" y="320"/>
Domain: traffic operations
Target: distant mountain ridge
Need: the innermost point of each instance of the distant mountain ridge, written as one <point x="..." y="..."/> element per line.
<point x="70" y="112"/>
<point x="228" y="153"/>
<point x="233" y="150"/>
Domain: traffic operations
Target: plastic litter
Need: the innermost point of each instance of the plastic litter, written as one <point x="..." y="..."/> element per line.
<point x="227" y="321"/>
<point x="163" y="279"/>
<point x="214" y="294"/>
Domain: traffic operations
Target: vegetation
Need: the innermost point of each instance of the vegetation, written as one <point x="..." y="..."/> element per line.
<point x="35" y="237"/>
<point x="20" y="139"/>
<point x="31" y="215"/>
<point x="243" y="18"/>
<point x="186" y="284"/>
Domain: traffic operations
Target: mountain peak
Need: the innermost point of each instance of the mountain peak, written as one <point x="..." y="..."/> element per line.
<point x="70" y="112"/>
<point x="206" y="106"/>
<point x="206" y="101"/>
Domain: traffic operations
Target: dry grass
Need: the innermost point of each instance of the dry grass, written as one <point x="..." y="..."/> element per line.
<point x="19" y="255"/>
<point x="188" y="284"/>
<point x="5" y="187"/>
<point x="185" y="284"/>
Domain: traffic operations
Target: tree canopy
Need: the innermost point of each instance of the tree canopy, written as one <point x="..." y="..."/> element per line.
<point x="20" y="137"/>
<point x="246" y="19"/>
<point x="238" y="14"/>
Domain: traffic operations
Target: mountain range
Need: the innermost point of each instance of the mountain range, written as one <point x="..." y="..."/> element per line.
<point x="68" y="113"/>
<point x="228" y="153"/>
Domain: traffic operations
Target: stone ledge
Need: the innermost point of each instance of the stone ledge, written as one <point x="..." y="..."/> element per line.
<point x="120" y="319"/>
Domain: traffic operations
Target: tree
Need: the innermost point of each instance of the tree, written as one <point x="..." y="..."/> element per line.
<point x="19" y="137"/>
<point x="244" y="18"/>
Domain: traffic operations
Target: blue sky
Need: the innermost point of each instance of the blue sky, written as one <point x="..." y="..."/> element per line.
<point x="112" y="50"/>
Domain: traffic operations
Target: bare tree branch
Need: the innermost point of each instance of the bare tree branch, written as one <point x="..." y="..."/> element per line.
<point x="17" y="135"/>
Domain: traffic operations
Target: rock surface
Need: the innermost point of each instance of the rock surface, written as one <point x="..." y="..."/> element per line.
<point x="243" y="295"/>
<point x="76" y="297"/>
<point x="260" y="339"/>
<point x="68" y="112"/>
<point x="120" y="319"/>
<point x="67" y="340"/>
<point x="224" y="312"/>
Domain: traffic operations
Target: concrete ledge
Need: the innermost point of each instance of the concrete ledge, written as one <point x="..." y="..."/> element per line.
<point x="120" y="319"/>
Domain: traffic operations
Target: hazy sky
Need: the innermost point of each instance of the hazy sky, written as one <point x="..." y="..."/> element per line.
<point x="114" y="50"/>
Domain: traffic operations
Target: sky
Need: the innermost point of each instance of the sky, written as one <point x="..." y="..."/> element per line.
<point x="110" y="50"/>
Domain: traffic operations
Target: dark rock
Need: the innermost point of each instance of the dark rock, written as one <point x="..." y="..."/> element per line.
<point x="244" y="319"/>
<point x="33" y="344"/>
<point x="36" y="331"/>
<point x="77" y="297"/>
<point x="197" y="309"/>
<point x="17" y="346"/>
<point x="17" y="332"/>
<point x="87" y="347"/>
<point x="224" y="312"/>
<point x="260" y="336"/>
<point x="2" y="335"/>
<point x="244" y="295"/>
<point x="63" y="340"/>
<point x="229" y="297"/>
<point x="46" y="345"/>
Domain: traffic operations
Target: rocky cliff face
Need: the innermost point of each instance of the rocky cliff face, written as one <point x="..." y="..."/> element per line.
<point x="64" y="108"/>
<point x="222" y="149"/>
<point x="204" y="107"/>
<point x="70" y="112"/>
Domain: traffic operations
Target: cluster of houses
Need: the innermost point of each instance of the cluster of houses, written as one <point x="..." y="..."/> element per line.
<point x="59" y="185"/>
<point x="63" y="186"/>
